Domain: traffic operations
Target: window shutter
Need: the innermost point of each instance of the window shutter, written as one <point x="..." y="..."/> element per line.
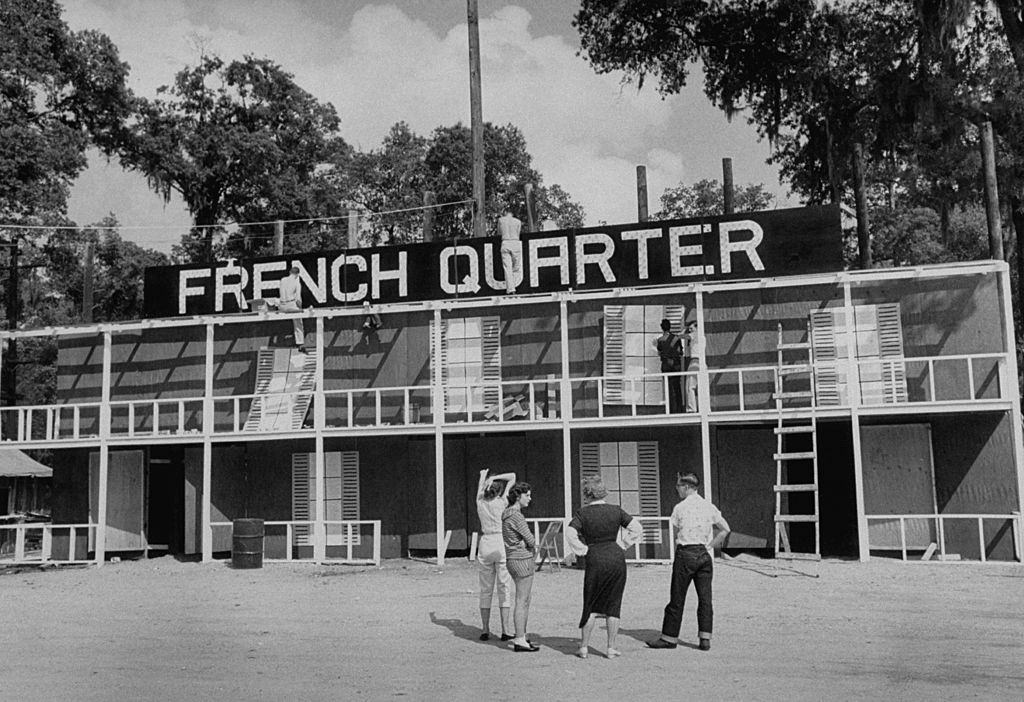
<point x="490" y="342"/>
<point x="590" y="460"/>
<point x="614" y="353"/>
<point x="890" y="346"/>
<point x="439" y="344"/>
<point x="828" y="382"/>
<point x="303" y="496"/>
<point x="650" y="488"/>
<point x="675" y="314"/>
<point x="350" y="485"/>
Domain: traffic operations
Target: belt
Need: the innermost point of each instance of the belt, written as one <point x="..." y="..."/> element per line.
<point x="691" y="546"/>
<point x="491" y="533"/>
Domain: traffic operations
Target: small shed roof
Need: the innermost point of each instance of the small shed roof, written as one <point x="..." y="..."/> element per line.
<point x="14" y="463"/>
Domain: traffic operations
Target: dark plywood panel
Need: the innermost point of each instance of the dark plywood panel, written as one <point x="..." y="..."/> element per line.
<point x="897" y="469"/>
<point x="744" y="481"/>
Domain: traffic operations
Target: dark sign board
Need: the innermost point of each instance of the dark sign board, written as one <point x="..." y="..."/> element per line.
<point x="750" y="245"/>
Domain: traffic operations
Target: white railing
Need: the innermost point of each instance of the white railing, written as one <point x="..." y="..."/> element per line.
<point x="156" y="417"/>
<point x="746" y="377"/>
<point x="25" y="423"/>
<point x="962" y="387"/>
<point x="346" y="533"/>
<point x="938" y="523"/>
<point x="33" y="542"/>
<point x="238" y="408"/>
<point x="593" y="390"/>
<point x="516" y="400"/>
<point x="648" y="550"/>
<point x="399" y="405"/>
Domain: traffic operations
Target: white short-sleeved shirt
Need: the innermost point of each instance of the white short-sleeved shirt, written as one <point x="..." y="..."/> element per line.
<point x="289" y="289"/>
<point x="489" y="512"/>
<point x="694" y="519"/>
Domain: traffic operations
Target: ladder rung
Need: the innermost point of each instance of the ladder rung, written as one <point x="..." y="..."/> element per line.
<point x="796" y="517"/>
<point x="803" y="429"/>
<point x="794" y="370"/>
<point x="796" y="456"/>
<point x="796" y="346"/>
<point x="793" y="395"/>
<point x="799" y="556"/>
<point x="801" y="487"/>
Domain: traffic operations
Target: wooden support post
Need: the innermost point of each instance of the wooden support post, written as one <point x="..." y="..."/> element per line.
<point x="703" y="400"/>
<point x="565" y="410"/>
<point x="861" y="197"/>
<point x="319" y="415"/>
<point x="988" y="165"/>
<point x="353" y="229"/>
<point x="205" y="518"/>
<point x="728" y="194"/>
<point x="87" y="281"/>
<point x="104" y="467"/>
<point x="853" y="397"/>
<point x="641" y="194"/>
<point x="476" y="117"/>
<point x="531" y="215"/>
<point x="1015" y="406"/>
<point x="438" y="413"/>
<point x="429" y="202"/>
<point x="279" y="238"/>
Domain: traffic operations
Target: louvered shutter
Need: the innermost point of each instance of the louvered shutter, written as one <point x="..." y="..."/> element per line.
<point x="303" y="496"/>
<point x="614" y="353"/>
<point x="490" y="346"/>
<point x="829" y="377"/>
<point x="650" y="489"/>
<point x="890" y="346"/>
<point x="350" y="485"/>
<point x="590" y="460"/>
<point x="439" y="365"/>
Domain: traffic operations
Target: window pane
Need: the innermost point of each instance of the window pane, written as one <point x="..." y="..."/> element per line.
<point x="634" y="318"/>
<point x="609" y="453"/>
<point x="629" y="478"/>
<point x="627" y="453"/>
<point x="630" y="502"/>
<point x="610" y="476"/>
<point x="332" y="488"/>
<point x="333" y="510"/>
<point x="637" y="344"/>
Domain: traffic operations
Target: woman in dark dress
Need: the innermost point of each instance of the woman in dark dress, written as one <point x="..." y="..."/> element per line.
<point x="594" y="532"/>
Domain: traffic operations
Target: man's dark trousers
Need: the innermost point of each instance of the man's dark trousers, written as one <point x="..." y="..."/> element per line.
<point x="692" y="563"/>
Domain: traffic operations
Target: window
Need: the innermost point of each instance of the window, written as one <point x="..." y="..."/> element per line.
<point x="341" y="494"/>
<point x="629" y="351"/>
<point x="877" y="336"/>
<point x="630" y="472"/>
<point x="470" y="363"/>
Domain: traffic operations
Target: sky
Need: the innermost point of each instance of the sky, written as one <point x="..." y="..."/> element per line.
<point x="379" y="63"/>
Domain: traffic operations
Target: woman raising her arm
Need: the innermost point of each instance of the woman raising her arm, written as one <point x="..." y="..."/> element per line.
<point x="491" y="501"/>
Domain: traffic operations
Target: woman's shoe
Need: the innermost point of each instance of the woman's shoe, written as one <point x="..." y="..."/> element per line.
<point x="613" y="653"/>
<point x="507" y="637"/>
<point x="485" y="636"/>
<point x="583" y="652"/>
<point x="525" y="649"/>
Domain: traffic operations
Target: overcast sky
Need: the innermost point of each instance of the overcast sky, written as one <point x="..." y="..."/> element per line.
<point x="380" y="63"/>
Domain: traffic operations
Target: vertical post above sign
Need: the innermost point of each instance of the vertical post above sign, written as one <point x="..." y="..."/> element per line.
<point x="641" y="193"/>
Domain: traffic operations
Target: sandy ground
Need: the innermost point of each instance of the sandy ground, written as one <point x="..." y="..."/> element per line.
<point x="167" y="630"/>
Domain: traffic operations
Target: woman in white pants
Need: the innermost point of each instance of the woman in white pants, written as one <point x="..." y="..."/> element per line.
<point x="491" y="501"/>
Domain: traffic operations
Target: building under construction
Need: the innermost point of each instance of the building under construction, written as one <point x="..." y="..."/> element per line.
<point x="838" y="413"/>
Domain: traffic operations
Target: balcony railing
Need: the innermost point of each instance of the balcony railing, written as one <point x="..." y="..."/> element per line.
<point x="348" y="541"/>
<point x="961" y="378"/>
<point x="41" y="542"/>
<point x="930" y="533"/>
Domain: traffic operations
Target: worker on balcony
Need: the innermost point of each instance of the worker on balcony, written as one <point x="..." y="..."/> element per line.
<point x="291" y="301"/>
<point x="511" y="249"/>
<point x="694" y="355"/>
<point x="670" y="351"/>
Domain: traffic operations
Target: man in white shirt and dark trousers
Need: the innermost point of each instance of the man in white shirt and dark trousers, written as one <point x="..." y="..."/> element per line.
<point x="291" y="301"/>
<point x="695" y="521"/>
<point x="511" y="250"/>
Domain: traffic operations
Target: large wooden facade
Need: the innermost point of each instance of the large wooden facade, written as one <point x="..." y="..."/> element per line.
<point x="169" y="429"/>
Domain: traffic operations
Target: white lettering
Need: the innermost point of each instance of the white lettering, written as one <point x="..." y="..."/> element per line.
<point x="319" y="286"/>
<point x="677" y="250"/>
<point x="749" y="246"/>
<point x="185" y="291"/>
<point x="559" y="261"/>
<point x="234" y="289"/>
<point x="471" y="282"/>
<point x="641" y="237"/>
<point x="400" y="274"/>
<point x="259" y="284"/>
<point x="599" y="259"/>
<point x="337" y="264"/>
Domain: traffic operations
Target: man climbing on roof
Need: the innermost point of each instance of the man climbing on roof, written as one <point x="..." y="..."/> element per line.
<point x="291" y="301"/>
<point x="511" y="249"/>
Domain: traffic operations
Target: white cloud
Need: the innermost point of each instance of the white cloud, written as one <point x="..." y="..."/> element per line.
<point x="378" y="65"/>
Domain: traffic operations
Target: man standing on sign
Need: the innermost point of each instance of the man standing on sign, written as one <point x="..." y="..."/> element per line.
<point x="695" y="520"/>
<point x="291" y="301"/>
<point x="511" y="249"/>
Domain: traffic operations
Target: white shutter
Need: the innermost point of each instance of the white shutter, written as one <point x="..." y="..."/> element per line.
<point x="675" y="314"/>
<point x="350" y="485"/>
<point x="829" y="382"/>
<point x="614" y="354"/>
<point x="490" y="354"/>
<point x="890" y="346"/>
<point x="439" y="366"/>
<point x="303" y="495"/>
<point x="650" y="489"/>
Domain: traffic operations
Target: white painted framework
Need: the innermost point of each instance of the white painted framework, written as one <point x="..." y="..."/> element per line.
<point x="206" y="435"/>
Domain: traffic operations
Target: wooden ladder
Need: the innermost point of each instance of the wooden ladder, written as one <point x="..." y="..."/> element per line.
<point x="788" y="433"/>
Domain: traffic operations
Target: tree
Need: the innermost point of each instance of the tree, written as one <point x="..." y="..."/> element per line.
<point x="239" y="141"/>
<point x="705" y="198"/>
<point x="60" y="91"/>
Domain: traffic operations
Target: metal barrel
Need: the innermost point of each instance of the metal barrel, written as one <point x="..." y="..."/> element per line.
<point x="247" y="543"/>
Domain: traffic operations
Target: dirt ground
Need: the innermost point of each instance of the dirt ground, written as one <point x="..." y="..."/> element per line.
<point x="169" y="630"/>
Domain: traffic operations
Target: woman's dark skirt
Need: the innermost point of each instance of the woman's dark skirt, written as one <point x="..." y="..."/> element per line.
<point x="603" y="581"/>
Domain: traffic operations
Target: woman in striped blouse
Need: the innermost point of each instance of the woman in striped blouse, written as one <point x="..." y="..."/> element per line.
<point x="520" y="548"/>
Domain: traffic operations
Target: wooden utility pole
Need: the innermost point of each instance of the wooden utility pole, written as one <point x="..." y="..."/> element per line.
<point x="353" y="229"/>
<point x="476" y="117"/>
<point x="279" y="238"/>
<point x="10" y="366"/>
<point x="861" y="199"/>
<point x="728" y="202"/>
<point x="988" y="165"/>
<point x="641" y="194"/>
<point x="531" y="217"/>
<point x="87" y="282"/>
<point x="429" y="201"/>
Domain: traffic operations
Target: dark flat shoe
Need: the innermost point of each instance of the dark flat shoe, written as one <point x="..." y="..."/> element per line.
<point x="485" y="636"/>
<point x="660" y="643"/>
<point x="507" y="637"/>
<point x="525" y="649"/>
